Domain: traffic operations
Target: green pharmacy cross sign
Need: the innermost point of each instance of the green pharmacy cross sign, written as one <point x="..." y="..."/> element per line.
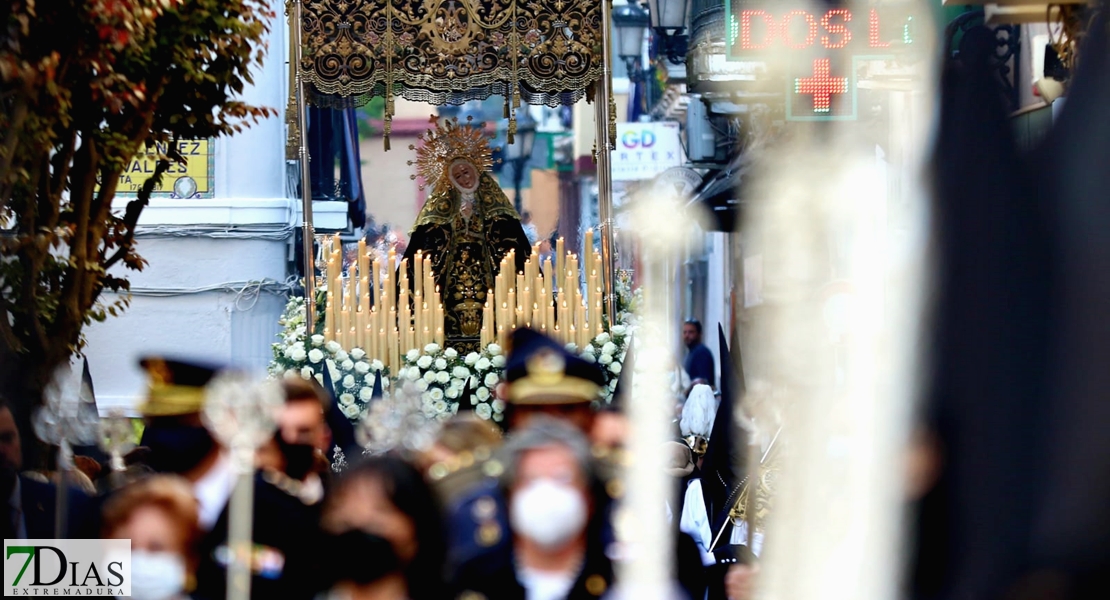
<point x="817" y="51"/>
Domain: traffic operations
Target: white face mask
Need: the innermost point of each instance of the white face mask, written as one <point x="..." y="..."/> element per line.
<point x="548" y="513"/>
<point x="156" y="575"/>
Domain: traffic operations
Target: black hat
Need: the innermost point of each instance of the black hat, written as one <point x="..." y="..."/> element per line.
<point x="540" y="371"/>
<point x="176" y="386"/>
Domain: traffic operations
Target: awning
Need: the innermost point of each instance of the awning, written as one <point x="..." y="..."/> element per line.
<point x="719" y="196"/>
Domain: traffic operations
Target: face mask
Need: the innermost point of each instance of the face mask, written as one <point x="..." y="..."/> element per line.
<point x="548" y="513"/>
<point x="299" y="458"/>
<point x="176" y="448"/>
<point x="360" y="557"/>
<point x="156" y="575"/>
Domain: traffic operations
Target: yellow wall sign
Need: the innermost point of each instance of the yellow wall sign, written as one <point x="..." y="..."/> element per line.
<point x="194" y="179"/>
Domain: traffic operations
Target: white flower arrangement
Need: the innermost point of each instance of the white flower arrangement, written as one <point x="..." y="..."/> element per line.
<point x="608" y="351"/>
<point x="353" y="373"/>
<point x="441" y="376"/>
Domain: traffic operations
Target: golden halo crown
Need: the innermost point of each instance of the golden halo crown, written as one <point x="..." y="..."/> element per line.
<point x="446" y="143"/>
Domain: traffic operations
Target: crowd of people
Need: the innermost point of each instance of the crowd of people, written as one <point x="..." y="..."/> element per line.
<point x="523" y="510"/>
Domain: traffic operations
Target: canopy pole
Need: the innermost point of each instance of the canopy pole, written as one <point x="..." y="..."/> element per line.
<point x="309" y="233"/>
<point x="605" y="121"/>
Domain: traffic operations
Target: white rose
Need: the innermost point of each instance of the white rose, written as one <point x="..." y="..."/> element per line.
<point x="441" y="364"/>
<point x="483" y="364"/>
<point x="424" y="362"/>
<point x="358" y="354"/>
<point x="315" y="355"/>
<point x="341" y="356"/>
<point x="602" y="338"/>
<point x="460" y="372"/>
<point x="483" y="411"/>
<point x="350" y="411"/>
<point x="613" y="384"/>
<point x="298" y="355"/>
<point x="317" y="340"/>
<point x="455" y="409"/>
<point x="589" y="358"/>
<point x="609" y="348"/>
<point x="306" y="373"/>
<point x="482" y="394"/>
<point x="345" y="399"/>
<point x="498" y="405"/>
<point x="377" y="365"/>
<point x="333" y="346"/>
<point x="618" y="330"/>
<point x="451" y="354"/>
<point x="440" y="406"/>
<point x="431" y="348"/>
<point x="443" y="377"/>
<point x="499" y="417"/>
<point x="471" y="359"/>
<point x="421" y="386"/>
<point x="451" y="393"/>
<point x="473" y="400"/>
<point x="435" y="394"/>
<point x="494" y="349"/>
<point x="349" y="381"/>
<point x="366" y="394"/>
<point x="498" y="362"/>
<point x="347" y="365"/>
<point x="413" y="374"/>
<point x="605" y="359"/>
<point x="615" y="368"/>
<point x="362" y="368"/>
<point x="572" y="348"/>
<point x="385" y="383"/>
<point x="320" y="378"/>
<point x="412" y="355"/>
<point x="587" y="351"/>
<point x="292" y="374"/>
<point x="429" y="376"/>
<point x="492" y="379"/>
<point x="288" y="352"/>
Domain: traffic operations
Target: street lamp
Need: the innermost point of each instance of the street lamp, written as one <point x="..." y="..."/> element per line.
<point x="520" y="152"/>
<point x="629" y="23"/>
<point x="668" y="19"/>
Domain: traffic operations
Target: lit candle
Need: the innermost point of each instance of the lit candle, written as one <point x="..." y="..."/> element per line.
<point x="418" y="315"/>
<point x="418" y="276"/>
<point x="588" y="249"/>
<point x="526" y="307"/>
<point x="329" y="317"/>
<point x="560" y="257"/>
<point x="510" y="311"/>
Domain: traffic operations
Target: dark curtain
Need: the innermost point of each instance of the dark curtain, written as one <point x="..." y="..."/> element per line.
<point x="332" y="140"/>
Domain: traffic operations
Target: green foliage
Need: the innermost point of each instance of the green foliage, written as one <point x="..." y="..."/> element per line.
<point x="85" y="85"/>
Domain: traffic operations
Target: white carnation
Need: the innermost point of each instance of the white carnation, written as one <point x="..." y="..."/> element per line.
<point x="451" y="354"/>
<point x="602" y="338"/>
<point x="315" y="355"/>
<point x="366" y="394"/>
<point x="483" y="364"/>
<point x="605" y="359"/>
<point x="362" y="368"/>
<point x="349" y="381"/>
<point x="460" y="372"/>
<point x="609" y="348"/>
<point x="412" y="355"/>
<point x="358" y="354"/>
<point x="441" y="364"/>
<point x="431" y="348"/>
<point x="443" y="377"/>
<point x="435" y="394"/>
<point x="350" y="411"/>
<point x="471" y="359"/>
<point x="498" y="362"/>
<point x="345" y="399"/>
<point x="298" y="355"/>
<point x="317" y="340"/>
<point x="494" y="349"/>
<point x="492" y="380"/>
<point x="482" y="393"/>
<point x="615" y="368"/>
<point x="483" y="411"/>
<point x="377" y="365"/>
<point x="347" y="365"/>
<point x="424" y="362"/>
<point x="333" y="347"/>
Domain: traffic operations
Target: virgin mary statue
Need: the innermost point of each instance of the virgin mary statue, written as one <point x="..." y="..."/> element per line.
<point x="467" y="225"/>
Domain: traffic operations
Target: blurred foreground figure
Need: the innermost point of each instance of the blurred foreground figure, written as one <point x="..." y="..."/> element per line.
<point x="1017" y="396"/>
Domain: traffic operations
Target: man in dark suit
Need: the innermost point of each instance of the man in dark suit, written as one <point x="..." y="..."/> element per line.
<point x="30" y="505"/>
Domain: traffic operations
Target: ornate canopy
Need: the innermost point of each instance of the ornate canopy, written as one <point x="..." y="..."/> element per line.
<point x="450" y="51"/>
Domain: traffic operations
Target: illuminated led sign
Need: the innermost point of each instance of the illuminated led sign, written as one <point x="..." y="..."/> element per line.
<point x="816" y="50"/>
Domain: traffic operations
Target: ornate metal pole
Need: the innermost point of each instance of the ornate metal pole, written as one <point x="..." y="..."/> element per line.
<point x="605" y="121"/>
<point x="309" y="234"/>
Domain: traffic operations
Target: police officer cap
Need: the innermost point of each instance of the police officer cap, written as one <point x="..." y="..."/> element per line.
<point x="176" y="386"/>
<point x="539" y="371"/>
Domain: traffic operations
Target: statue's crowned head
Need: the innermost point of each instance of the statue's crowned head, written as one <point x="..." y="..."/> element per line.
<point x="452" y="154"/>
